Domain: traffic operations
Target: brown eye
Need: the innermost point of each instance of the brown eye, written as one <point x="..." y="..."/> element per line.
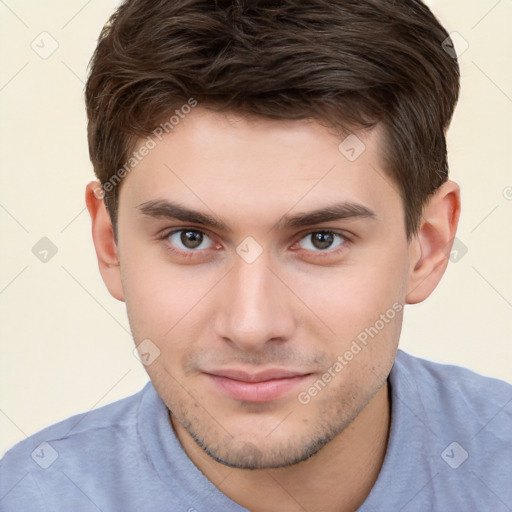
<point x="189" y="239"/>
<point x="322" y="241"/>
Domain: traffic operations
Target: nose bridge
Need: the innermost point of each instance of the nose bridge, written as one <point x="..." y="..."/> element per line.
<point x="254" y="307"/>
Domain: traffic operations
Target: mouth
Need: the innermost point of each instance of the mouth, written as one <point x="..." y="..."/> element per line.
<point x="265" y="386"/>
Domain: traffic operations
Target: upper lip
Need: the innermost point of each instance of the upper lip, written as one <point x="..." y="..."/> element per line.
<point x="261" y="376"/>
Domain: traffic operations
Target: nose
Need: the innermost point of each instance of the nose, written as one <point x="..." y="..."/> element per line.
<point x="255" y="307"/>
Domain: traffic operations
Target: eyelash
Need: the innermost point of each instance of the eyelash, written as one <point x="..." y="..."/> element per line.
<point x="318" y="254"/>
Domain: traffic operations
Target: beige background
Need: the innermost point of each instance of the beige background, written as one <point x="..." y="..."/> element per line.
<point x="65" y="342"/>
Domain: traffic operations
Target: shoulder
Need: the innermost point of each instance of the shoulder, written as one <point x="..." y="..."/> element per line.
<point x="118" y="414"/>
<point x="453" y="397"/>
<point x="450" y="440"/>
<point x="65" y="444"/>
<point x="452" y="380"/>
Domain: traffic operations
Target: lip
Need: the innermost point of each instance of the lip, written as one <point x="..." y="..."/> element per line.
<point x="263" y="386"/>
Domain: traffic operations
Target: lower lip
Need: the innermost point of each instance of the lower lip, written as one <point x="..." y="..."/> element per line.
<point x="265" y="391"/>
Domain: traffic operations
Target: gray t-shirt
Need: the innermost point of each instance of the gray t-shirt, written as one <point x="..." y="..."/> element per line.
<point x="450" y="450"/>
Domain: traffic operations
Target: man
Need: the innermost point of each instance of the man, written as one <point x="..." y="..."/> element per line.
<point x="273" y="189"/>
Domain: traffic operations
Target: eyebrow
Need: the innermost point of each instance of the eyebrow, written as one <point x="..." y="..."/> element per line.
<point x="160" y="208"/>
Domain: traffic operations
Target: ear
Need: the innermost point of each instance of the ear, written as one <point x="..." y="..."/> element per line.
<point x="104" y="241"/>
<point x="430" y="248"/>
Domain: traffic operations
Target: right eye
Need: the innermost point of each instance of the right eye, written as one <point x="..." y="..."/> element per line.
<point x="188" y="241"/>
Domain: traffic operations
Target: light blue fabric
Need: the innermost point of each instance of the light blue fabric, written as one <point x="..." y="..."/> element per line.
<point x="450" y="449"/>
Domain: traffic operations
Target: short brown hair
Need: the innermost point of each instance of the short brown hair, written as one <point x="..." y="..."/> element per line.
<point x="350" y="64"/>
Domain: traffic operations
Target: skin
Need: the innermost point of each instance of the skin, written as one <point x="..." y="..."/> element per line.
<point x="298" y="306"/>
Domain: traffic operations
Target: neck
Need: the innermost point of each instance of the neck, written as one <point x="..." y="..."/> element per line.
<point x="337" y="478"/>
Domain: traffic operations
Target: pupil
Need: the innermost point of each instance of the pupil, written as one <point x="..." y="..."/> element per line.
<point x="322" y="240"/>
<point x="191" y="239"/>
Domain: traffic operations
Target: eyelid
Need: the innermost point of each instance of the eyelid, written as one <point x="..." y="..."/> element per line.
<point x="328" y="252"/>
<point x="174" y="229"/>
<point x="339" y="232"/>
<point x="346" y="239"/>
<point x="171" y="231"/>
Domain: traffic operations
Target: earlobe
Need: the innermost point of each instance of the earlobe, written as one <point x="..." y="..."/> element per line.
<point x="104" y="240"/>
<point x="430" y="248"/>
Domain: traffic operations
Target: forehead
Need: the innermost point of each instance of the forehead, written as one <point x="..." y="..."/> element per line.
<point x="239" y="167"/>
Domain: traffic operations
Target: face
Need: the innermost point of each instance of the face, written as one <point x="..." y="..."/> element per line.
<point x="270" y="328"/>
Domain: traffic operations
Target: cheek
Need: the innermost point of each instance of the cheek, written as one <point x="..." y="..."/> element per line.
<point x="154" y="288"/>
<point x="163" y="300"/>
<point x="352" y="296"/>
<point x="361" y="304"/>
<point x="150" y="293"/>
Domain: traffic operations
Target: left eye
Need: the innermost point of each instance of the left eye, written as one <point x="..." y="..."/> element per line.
<point x="190" y="239"/>
<point x="321" y="240"/>
<point x="193" y="240"/>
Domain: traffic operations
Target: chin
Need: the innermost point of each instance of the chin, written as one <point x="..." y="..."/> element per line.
<point x="258" y="451"/>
